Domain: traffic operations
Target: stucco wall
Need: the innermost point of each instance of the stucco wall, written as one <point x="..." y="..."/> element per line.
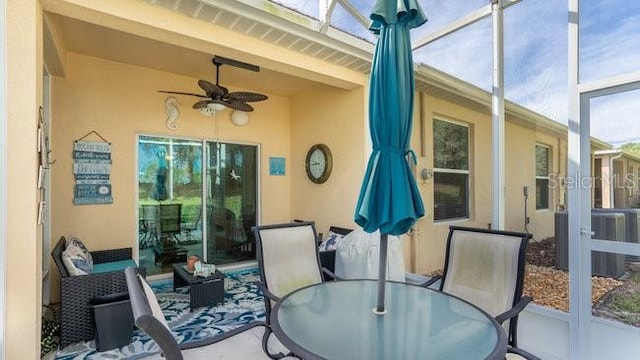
<point x="119" y="101"/>
<point x="430" y="243"/>
<point x="23" y="247"/>
<point x="428" y="247"/>
<point x="336" y="118"/>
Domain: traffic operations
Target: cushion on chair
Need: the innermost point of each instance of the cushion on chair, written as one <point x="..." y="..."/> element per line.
<point x="75" y="242"/>
<point x="113" y="266"/>
<point x="74" y="262"/>
<point x="153" y="302"/>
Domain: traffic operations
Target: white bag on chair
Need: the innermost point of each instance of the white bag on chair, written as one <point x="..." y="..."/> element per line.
<point x="357" y="256"/>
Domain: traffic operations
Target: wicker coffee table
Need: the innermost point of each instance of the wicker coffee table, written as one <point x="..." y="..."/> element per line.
<point x="203" y="291"/>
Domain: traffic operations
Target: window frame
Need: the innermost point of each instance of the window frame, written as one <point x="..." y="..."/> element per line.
<point x="466" y="172"/>
<point x="540" y="177"/>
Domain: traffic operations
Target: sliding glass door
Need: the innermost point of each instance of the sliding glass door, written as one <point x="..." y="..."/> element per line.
<point x="231" y="201"/>
<point x="174" y="221"/>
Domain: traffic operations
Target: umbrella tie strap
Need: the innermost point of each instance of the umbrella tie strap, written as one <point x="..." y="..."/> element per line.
<point x="409" y="152"/>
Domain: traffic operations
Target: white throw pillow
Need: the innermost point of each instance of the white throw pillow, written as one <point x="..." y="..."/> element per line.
<point x="80" y="249"/>
<point x="74" y="262"/>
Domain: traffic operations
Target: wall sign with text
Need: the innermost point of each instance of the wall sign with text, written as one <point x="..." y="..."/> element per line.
<point x="92" y="170"/>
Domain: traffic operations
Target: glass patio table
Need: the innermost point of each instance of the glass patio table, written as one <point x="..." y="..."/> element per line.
<point x="335" y="320"/>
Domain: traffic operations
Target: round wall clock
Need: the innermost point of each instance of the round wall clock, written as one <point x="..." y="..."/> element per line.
<point x="319" y="163"/>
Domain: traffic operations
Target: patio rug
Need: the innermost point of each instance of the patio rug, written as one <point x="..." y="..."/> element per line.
<point x="243" y="303"/>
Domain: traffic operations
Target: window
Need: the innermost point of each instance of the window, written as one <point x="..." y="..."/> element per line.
<point x="451" y="170"/>
<point x="542" y="177"/>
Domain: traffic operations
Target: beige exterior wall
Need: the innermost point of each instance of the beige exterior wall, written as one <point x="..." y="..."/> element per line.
<point x="23" y="237"/>
<point x="335" y="118"/>
<point x="429" y="242"/>
<point x="120" y="101"/>
<point x="427" y="248"/>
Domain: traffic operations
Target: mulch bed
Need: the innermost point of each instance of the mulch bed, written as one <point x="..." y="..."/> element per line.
<point x="550" y="287"/>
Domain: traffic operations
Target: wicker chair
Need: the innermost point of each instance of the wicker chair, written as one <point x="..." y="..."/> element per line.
<point x="486" y="268"/>
<point x="77" y="291"/>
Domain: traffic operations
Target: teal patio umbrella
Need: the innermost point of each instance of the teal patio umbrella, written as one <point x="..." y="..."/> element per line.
<point x="389" y="200"/>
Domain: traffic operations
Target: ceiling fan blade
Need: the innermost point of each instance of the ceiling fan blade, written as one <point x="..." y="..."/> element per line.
<point x="211" y="89"/>
<point x="202" y="104"/>
<point x="246" y="96"/>
<point x="182" y="93"/>
<point x="236" y="105"/>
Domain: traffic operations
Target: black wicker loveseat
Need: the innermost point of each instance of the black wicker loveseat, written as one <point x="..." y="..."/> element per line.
<point x="77" y="291"/>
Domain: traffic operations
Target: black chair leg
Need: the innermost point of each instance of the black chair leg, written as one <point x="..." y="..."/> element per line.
<point x="265" y="342"/>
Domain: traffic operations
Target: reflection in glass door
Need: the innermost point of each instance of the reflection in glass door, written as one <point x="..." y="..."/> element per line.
<point x="169" y="201"/>
<point x="231" y="199"/>
<point x="172" y="221"/>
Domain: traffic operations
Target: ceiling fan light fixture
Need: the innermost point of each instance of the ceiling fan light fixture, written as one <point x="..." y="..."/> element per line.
<point x="207" y="111"/>
<point x="239" y="118"/>
<point x="216" y="106"/>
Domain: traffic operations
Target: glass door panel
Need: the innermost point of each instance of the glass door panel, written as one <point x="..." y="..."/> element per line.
<point x="231" y="202"/>
<point x="169" y="200"/>
<point x="615" y="208"/>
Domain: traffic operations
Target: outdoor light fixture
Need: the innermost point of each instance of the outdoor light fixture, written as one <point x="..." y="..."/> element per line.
<point x="216" y="106"/>
<point x="239" y="118"/>
<point x="211" y="109"/>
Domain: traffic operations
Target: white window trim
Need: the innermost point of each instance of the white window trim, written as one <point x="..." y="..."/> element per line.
<point x="548" y="177"/>
<point x="457" y="171"/>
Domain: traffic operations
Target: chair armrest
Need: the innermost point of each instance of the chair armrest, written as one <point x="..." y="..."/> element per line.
<point x="431" y="281"/>
<point x="266" y="291"/>
<point x="103" y="256"/>
<point x="515" y="310"/>
<point x="522" y="353"/>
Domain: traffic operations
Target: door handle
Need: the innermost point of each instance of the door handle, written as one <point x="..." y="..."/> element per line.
<point x="585" y="231"/>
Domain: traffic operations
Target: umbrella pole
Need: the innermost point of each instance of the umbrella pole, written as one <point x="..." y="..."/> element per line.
<point x="382" y="274"/>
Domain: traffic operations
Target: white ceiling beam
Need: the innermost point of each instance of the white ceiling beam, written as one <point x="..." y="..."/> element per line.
<point x="611" y="85"/>
<point x="326" y="8"/>
<point x="453" y="26"/>
<point x="355" y="13"/>
<point x="463" y="22"/>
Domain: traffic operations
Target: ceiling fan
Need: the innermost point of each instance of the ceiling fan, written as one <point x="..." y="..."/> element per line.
<point x="218" y="96"/>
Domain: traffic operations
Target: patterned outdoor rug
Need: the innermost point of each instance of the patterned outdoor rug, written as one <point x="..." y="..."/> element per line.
<point x="243" y="304"/>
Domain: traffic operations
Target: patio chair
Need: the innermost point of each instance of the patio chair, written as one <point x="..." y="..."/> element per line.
<point x="486" y="268"/>
<point x="288" y="260"/>
<point x="148" y="225"/>
<point x="148" y="317"/>
<point x="169" y="221"/>
<point x="191" y="224"/>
